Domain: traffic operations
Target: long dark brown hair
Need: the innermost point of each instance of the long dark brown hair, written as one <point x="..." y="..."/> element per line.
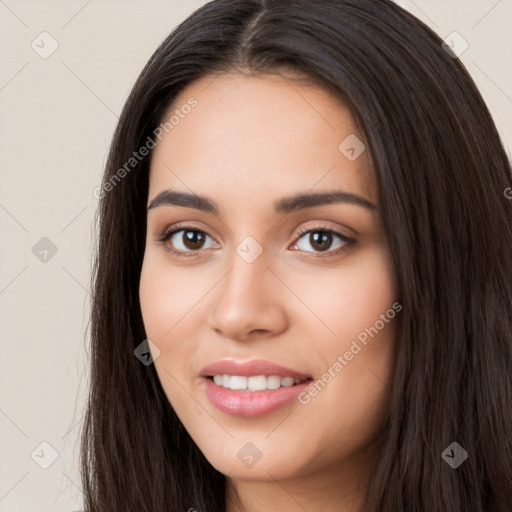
<point x="443" y="178"/>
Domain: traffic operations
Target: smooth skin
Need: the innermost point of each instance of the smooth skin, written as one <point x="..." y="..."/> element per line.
<point x="251" y="141"/>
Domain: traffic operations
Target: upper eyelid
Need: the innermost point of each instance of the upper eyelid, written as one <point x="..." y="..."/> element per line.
<point x="185" y="226"/>
<point x="322" y="225"/>
<point x="319" y="225"/>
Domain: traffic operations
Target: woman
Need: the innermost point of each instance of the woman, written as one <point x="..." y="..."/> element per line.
<point x="302" y="290"/>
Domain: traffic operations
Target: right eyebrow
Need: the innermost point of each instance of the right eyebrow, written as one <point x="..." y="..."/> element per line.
<point x="175" y="198"/>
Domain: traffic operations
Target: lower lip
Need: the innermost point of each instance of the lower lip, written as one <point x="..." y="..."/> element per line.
<point x="249" y="404"/>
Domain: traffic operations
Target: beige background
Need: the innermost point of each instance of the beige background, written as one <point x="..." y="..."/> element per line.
<point x="57" y="118"/>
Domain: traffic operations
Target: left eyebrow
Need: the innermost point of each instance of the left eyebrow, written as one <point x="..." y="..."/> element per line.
<point x="300" y="201"/>
<point x="282" y="206"/>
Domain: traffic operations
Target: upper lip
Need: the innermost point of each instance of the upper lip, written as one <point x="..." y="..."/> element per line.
<point x="250" y="368"/>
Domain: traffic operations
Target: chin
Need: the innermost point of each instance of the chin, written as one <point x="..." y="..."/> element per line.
<point x="246" y="463"/>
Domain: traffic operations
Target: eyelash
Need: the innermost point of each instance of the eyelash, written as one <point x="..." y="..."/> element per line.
<point x="302" y="231"/>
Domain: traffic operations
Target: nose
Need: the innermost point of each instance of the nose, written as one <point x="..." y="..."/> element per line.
<point x="249" y="302"/>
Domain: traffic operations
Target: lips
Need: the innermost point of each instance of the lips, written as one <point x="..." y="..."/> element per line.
<point x="250" y="369"/>
<point x="251" y="404"/>
<point x="245" y="403"/>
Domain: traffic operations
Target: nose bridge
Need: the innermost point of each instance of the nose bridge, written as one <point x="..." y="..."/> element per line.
<point x="248" y="259"/>
<point x="249" y="274"/>
<point x="246" y="299"/>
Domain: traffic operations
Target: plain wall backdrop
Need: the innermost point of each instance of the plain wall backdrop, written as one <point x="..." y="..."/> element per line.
<point x="66" y="70"/>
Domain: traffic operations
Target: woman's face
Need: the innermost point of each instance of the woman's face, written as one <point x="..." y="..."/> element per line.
<point x="275" y="279"/>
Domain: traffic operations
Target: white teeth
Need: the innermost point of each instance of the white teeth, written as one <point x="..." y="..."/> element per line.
<point x="256" y="383"/>
<point x="238" y="382"/>
<point x="287" y="382"/>
<point x="273" y="382"/>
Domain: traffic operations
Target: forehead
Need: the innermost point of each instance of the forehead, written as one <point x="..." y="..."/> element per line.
<point x="266" y="133"/>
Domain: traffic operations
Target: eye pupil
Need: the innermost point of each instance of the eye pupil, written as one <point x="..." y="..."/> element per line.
<point x="193" y="239"/>
<point x="320" y="240"/>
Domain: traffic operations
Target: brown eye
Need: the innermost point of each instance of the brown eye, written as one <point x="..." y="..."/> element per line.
<point x="322" y="240"/>
<point x="186" y="241"/>
<point x="193" y="240"/>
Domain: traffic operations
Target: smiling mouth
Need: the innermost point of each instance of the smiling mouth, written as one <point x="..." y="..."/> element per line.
<point x="254" y="383"/>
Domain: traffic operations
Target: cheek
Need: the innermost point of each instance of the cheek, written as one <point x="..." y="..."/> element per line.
<point x="355" y="359"/>
<point x="355" y="398"/>
<point x="167" y="299"/>
<point x="350" y="298"/>
<point x="350" y="393"/>
<point x="168" y="296"/>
